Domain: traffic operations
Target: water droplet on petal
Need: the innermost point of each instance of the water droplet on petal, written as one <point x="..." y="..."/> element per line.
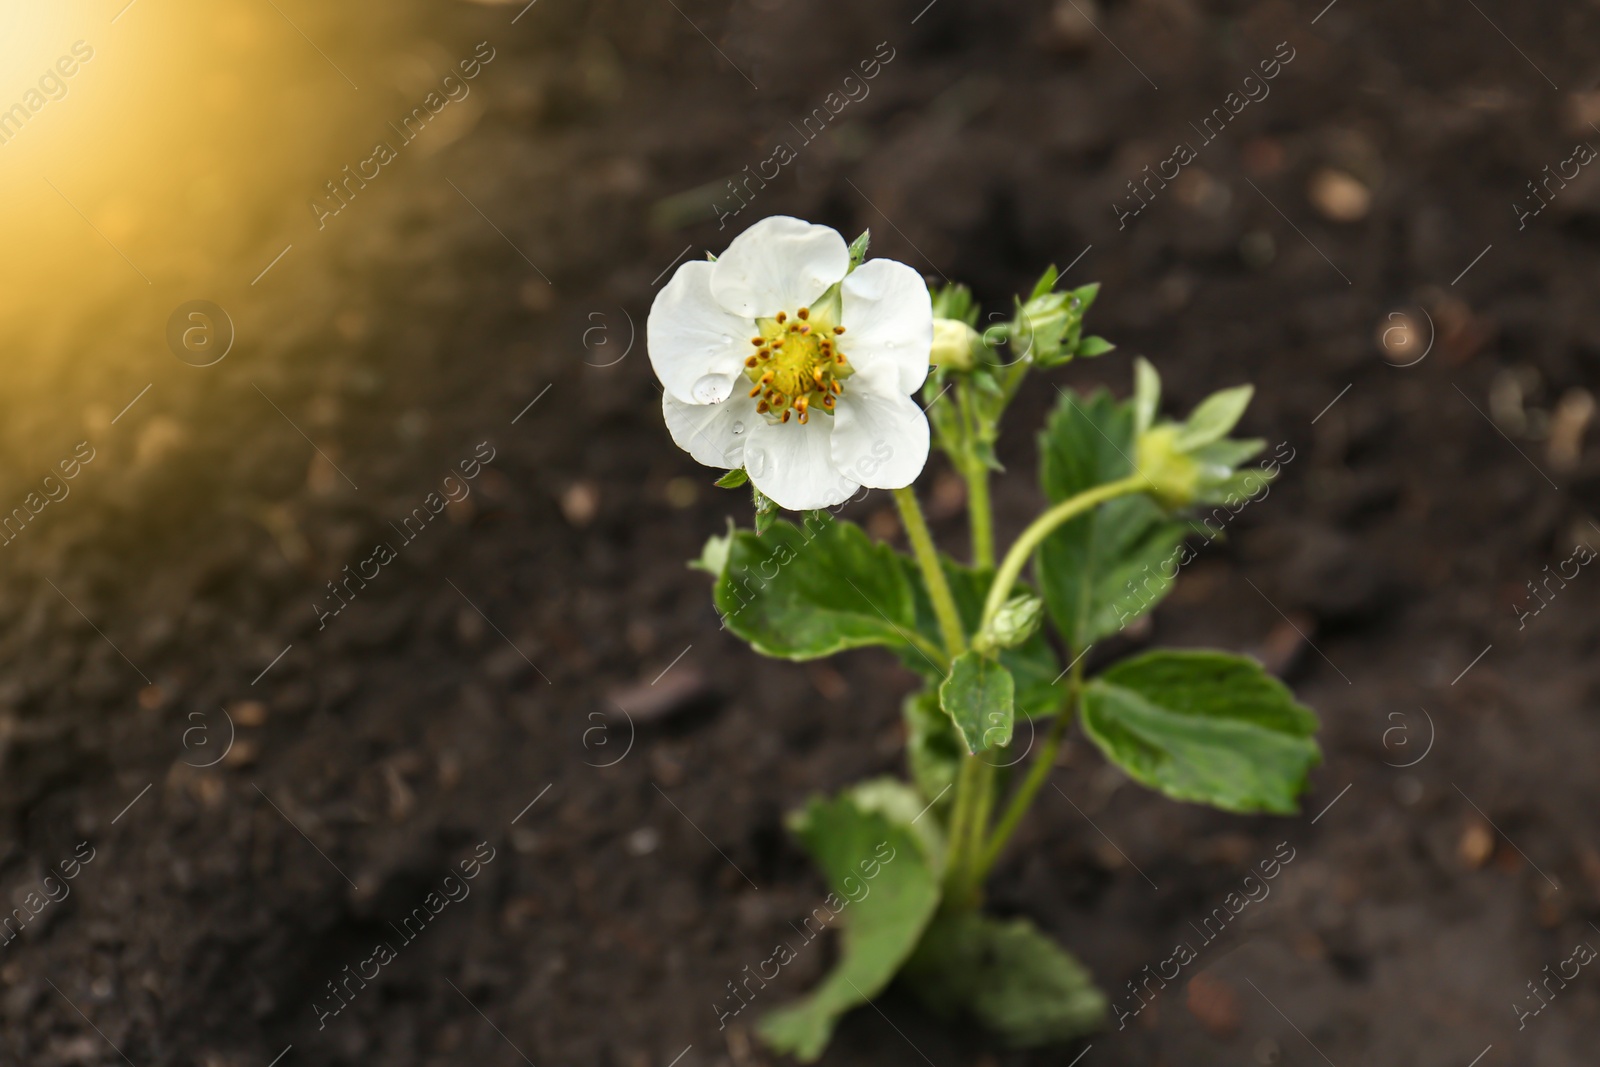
<point x="738" y="428"/>
<point x="712" y="388"/>
<point x="755" y="461"/>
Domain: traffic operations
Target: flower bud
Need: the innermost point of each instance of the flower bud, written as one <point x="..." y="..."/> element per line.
<point x="1173" y="475"/>
<point x="955" y="344"/>
<point x="1015" y="622"/>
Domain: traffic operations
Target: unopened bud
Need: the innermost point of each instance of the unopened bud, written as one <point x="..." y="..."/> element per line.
<point x="955" y="344"/>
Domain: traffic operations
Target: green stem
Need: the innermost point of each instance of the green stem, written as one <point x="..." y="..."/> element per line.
<point x="1039" y="529"/>
<point x="944" y="605"/>
<point x="1038" y="773"/>
<point x="977" y="475"/>
<point x="982" y="811"/>
<point x="959" y="832"/>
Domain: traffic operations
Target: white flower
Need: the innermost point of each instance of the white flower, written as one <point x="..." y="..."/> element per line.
<point x="776" y="360"/>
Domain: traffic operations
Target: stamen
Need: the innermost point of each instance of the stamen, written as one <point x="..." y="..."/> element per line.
<point x="797" y="367"/>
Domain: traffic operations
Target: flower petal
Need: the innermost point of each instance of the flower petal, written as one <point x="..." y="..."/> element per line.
<point x="693" y="340"/>
<point x="888" y="318"/>
<point x="793" y="464"/>
<point x="880" y="435"/>
<point x="714" y="434"/>
<point x="779" y="264"/>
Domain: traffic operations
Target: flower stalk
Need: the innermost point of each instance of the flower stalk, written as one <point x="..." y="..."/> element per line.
<point x="944" y="605"/>
<point x="1022" y="550"/>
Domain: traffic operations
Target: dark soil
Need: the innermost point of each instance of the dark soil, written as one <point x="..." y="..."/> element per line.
<point x="482" y="671"/>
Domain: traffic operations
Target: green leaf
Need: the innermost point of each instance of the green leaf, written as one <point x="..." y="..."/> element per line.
<point x="801" y="592"/>
<point x="766" y="510"/>
<point x="1206" y="727"/>
<point x="885" y="889"/>
<point x="1090" y="347"/>
<point x="1047" y="282"/>
<point x="933" y="747"/>
<point x="858" y="250"/>
<point x="1106" y="568"/>
<point x="1085" y="295"/>
<point x="1233" y="488"/>
<point x="1214" y="417"/>
<point x="1033" y="664"/>
<point x="1043" y="324"/>
<point x="1229" y="452"/>
<point x="954" y="301"/>
<point x="733" y="479"/>
<point x="714" y="557"/>
<point x="980" y="698"/>
<point x="1006" y="975"/>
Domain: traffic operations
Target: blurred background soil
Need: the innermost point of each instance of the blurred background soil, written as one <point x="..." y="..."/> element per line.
<point x="511" y="262"/>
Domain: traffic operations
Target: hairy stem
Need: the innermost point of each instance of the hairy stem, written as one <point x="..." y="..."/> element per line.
<point x="977" y="475"/>
<point x="1022" y="550"/>
<point x="978" y="829"/>
<point x="1038" y="773"/>
<point x="944" y="605"/>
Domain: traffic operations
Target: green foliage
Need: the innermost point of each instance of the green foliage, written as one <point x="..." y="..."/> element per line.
<point x="1204" y="727"/>
<point x="733" y="479"/>
<point x="1214" y="417"/>
<point x="1090" y="347"/>
<point x="885" y="883"/>
<point x="1007" y="976"/>
<point x="1047" y="329"/>
<point x="1103" y="569"/>
<point x="766" y="511"/>
<point x="801" y="592"/>
<point x="714" y="556"/>
<point x="1194" y="461"/>
<point x="955" y="302"/>
<point x="1019" y="619"/>
<point x="979" y="696"/>
<point x="933" y="747"/>
<point x="1033" y="664"/>
<point x="858" y="250"/>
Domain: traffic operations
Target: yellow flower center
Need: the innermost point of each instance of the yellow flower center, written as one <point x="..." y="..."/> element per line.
<point x="798" y="366"/>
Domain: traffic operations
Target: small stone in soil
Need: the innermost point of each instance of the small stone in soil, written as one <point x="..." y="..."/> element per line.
<point x="643" y="841"/>
<point x="680" y="689"/>
<point x="1214" y="1004"/>
<point x="1476" y="844"/>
